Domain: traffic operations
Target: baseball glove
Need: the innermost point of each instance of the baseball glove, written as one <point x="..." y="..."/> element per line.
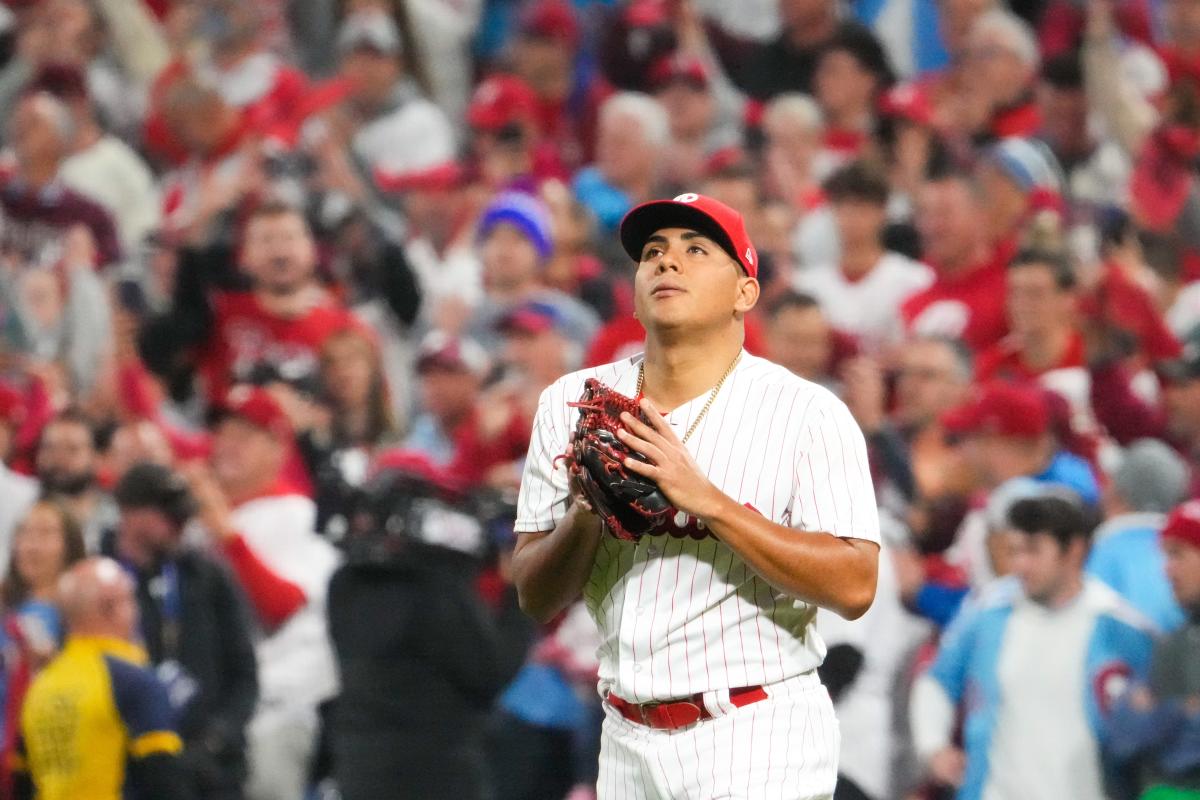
<point x="630" y="504"/>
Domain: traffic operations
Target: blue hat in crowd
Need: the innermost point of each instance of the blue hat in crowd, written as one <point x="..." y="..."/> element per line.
<point x="525" y="213"/>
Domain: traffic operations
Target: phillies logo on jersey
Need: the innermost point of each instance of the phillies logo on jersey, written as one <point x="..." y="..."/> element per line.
<point x="1110" y="683"/>
<point x="681" y="525"/>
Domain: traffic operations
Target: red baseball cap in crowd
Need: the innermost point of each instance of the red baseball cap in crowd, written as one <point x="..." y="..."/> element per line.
<point x="1001" y="408"/>
<point x="713" y="218"/>
<point x="441" y="350"/>
<point x="679" y="68"/>
<point x="1183" y="524"/>
<point x="531" y="318"/>
<point x="256" y="406"/>
<point x="501" y="100"/>
<point x="551" y="19"/>
<point x="907" y="101"/>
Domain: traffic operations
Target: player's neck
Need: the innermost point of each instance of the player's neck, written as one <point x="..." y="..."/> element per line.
<point x="678" y="371"/>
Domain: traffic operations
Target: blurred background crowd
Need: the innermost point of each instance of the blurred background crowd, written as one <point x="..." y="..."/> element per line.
<point x="281" y="284"/>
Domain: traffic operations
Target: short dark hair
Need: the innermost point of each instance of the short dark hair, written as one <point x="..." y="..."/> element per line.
<point x="1064" y="71"/>
<point x="274" y="208"/>
<point x="1057" y="263"/>
<point x="860" y="181"/>
<point x="865" y="48"/>
<point x="1058" y="513"/>
<point x="791" y="299"/>
<point x="72" y="415"/>
<point x="147" y="485"/>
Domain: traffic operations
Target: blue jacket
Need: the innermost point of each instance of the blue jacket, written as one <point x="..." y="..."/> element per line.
<point x="966" y="667"/>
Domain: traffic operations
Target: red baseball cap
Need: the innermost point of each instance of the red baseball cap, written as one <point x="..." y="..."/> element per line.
<point x="908" y="101"/>
<point x="679" y="68"/>
<point x="501" y="100"/>
<point x="256" y="406"/>
<point x="531" y="317"/>
<point x="1183" y="524"/>
<point x="551" y="19"/>
<point x="456" y="353"/>
<point x="1002" y="408"/>
<point x="713" y="218"/>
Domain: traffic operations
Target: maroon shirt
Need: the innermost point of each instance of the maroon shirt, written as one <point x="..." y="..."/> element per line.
<point x="33" y="223"/>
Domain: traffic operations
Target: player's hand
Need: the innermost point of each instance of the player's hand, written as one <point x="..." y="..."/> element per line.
<point x="947" y="767"/>
<point x="671" y="465"/>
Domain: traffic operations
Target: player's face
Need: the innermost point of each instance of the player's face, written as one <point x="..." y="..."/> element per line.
<point x="279" y="253"/>
<point x="685" y="281"/>
<point x="1183" y="570"/>
<point x="1042" y="565"/>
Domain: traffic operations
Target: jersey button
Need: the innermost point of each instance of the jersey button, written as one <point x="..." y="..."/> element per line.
<point x="651" y="550"/>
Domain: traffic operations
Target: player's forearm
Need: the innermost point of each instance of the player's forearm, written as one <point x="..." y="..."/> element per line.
<point x="550" y="569"/>
<point x="829" y="571"/>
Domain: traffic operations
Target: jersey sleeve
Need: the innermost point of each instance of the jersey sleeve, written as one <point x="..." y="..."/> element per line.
<point x="544" y="495"/>
<point x="833" y="491"/>
<point x="145" y="709"/>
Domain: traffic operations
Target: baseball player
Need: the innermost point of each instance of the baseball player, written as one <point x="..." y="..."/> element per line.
<point x="708" y="654"/>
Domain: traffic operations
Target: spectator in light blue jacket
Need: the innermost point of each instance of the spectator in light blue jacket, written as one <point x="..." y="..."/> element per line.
<point x="1126" y="554"/>
<point x="1036" y="670"/>
<point x="1155" y="727"/>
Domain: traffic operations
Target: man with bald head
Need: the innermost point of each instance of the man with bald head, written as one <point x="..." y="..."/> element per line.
<point x="96" y="721"/>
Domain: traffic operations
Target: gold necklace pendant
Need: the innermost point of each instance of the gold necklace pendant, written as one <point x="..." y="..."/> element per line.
<point x="711" y="397"/>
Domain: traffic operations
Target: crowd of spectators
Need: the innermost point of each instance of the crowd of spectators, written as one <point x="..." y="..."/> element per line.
<point x="256" y="257"/>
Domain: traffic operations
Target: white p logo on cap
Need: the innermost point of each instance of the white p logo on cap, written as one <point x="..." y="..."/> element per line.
<point x="749" y="256"/>
<point x="689" y="197"/>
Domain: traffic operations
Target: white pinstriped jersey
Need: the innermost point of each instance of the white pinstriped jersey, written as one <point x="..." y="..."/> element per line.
<point x="679" y="612"/>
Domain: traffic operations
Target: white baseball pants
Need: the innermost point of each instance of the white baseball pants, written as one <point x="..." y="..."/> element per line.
<point x="784" y="747"/>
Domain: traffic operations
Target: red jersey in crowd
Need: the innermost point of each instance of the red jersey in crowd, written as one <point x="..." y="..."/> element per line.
<point x="968" y="306"/>
<point x="1004" y="361"/>
<point x="247" y="336"/>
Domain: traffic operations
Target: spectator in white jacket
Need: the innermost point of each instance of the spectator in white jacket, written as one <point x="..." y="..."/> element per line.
<point x="266" y="531"/>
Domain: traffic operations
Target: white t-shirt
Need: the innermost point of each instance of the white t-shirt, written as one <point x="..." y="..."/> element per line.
<point x="679" y="612"/>
<point x="296" y="665"/>
<point x="17" y="493"/>
<point x="870" y="306"/>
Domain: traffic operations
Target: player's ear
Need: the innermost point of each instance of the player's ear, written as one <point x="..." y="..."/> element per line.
<point x="747" y="295"/>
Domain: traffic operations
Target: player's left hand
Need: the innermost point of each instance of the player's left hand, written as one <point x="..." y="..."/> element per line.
<point x="671" y="465"/>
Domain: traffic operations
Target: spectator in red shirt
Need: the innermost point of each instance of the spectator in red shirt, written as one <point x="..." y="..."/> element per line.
<point x="543" y="55"/>
<point x="852" y="73"/>
<point x="966" y="300"/>
<point x="507" y="143"/>
<point x="537" y="350"/>
<point x="266" y="532"/>
<point x="275" y="329"/>
<point x="1041" y="317"/>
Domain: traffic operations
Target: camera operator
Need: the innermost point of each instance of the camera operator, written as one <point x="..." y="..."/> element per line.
<point x="195" y="625"/>
<point x="422" y="657"/>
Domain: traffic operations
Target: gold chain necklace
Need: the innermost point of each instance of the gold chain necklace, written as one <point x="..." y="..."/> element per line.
<point x="711" y="397"/>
